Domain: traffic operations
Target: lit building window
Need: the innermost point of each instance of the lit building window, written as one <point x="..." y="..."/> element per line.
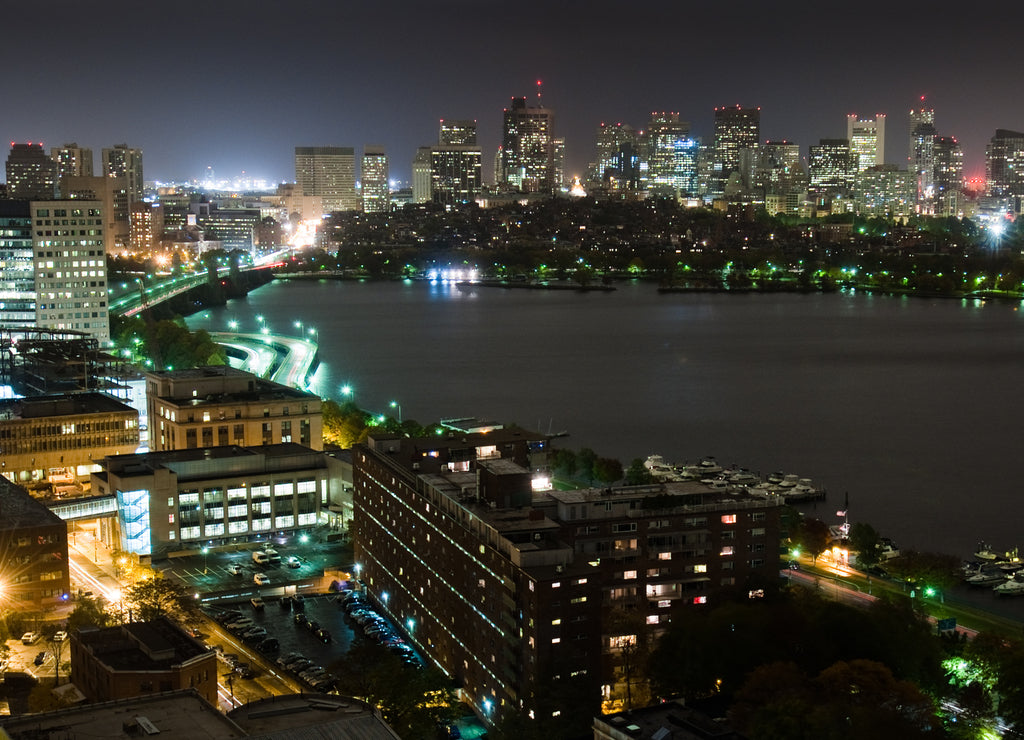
<point x="652" y="619"/>
<point x="700" y="568"/>
<point x="727" y="550"/>
<point x="664" y="556"/>
<point x="728" y="518"/>
<point x="700" y="599"/>
<point x="629" y="574"/>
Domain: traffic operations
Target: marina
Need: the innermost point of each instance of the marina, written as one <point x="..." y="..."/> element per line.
<point x="786" y="486"/>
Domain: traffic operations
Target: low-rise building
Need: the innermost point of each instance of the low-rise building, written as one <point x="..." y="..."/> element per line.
<point x="185" y="499"/>
<point x="34" y="542"/>
<point x="219" y="406"/>
<point x="62" y="438"/>
<point x="141" y="658"/>
<point x="533" y="600"/>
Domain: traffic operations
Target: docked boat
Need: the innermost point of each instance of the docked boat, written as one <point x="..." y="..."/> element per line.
<point x="1010" y="587"/>
<point x="986" y="553"/>
<point x="987" y="578"/>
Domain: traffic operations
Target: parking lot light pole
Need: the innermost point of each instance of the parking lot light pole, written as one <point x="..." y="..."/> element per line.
<point x="206" y="555"/>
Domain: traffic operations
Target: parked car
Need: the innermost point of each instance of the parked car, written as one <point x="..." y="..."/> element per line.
<point x="293" y="562"/>
<point x="257" y="603"/>
<point x="30" y="638"/>
<point x="269" y="645"/>
<point x="60" y="636"/>
<point x="260" y="579"/>
<point x="235" y="569"/>
<point x="41" y="658"/>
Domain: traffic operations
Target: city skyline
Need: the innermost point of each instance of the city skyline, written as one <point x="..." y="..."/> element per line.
<point x="235" y="92"/>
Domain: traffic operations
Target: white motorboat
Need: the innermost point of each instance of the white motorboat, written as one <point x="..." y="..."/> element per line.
<point x="987" y="578"/>
<point x="1010" y="587"/>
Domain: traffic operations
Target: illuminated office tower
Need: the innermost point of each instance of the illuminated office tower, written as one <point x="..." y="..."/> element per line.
<point x="122" y="161"/>
<point x="147" y="226"/>
<point x="885" y="191"/>
<point x="112" y="193"/>
<point x="558" y="162"/>
<point x="671" y="156"/>
<point x="610" y="141"/>
<point x="72" y="161"/>
<point x="949" y="176"/>
<point x="455" y="173"/>
<point x="374" y="174"/>
<point x="921" y="155"/>
<point x="421" y="174"/>
<point x="867" y="140"/>
<point x="31" y="174"/>
<point x="457" y="132"/>
<point x="736" y="129"/>
<point x="831" y="166"/>
<point x="1004" y="163"/>
<point x="328" y="172"/>
<point x="17" y="272"/>
<point x="527" y="148"/>
<point x="70" y="266"/>
<point x="777" y="171"/>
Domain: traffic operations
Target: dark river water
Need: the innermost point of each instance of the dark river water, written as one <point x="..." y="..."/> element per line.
<point x="910" y="407"/>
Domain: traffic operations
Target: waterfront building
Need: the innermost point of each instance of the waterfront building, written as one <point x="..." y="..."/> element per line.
<point x="141" y="658"/>
<point x="1004" y="163"/>
<point x="522" y="594"/>
<point x="867" y="140"/>
<point x="70" y="266"/>
<point x="232" y="227"/>
<point x="183" y="499"/>
<point x="422" y="175"/>
<point x="885" y="191"/>
<point x="72" y="161"/>
<point x="736" y="129"/>
<point x="375" y="185"/>
<point x="61" y="438"/>
<point x="949" y="177"/>
<point x="219" y="406"/>
<point x="527" y="148"/>
<point x="831" y="167"/>
<point x="671" y="156"/>
<point x="17" y="271"/>
<point x="457" y="132"/>
<point x="31" y="174"/>
<point x="330" y="173"/>
<point x="34" y="541"/>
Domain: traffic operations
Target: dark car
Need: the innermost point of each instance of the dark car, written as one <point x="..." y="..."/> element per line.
<point x="41" y="658"/>
<point x="324" y="635"/>
<point x="298" y="602"/>
<point x="300" y="619"/>
<point x="269" y="645"/>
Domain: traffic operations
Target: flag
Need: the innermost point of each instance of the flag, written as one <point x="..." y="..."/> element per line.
<point x="841" y="513"/>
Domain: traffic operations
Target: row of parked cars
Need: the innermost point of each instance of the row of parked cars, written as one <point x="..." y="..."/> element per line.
<point x="375" y="627"/>
<point x="308" y="672"/>
<point x="248" y="631"/>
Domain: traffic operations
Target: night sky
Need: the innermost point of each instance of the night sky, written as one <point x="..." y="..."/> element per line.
<point x="237" y="86"/>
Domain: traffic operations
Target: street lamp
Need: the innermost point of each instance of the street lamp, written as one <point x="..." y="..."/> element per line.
<point x="233" y="325"/>
<point x="298" y="325"/>
<point x="347" y="391"/>
<point x="397" y="405"/>
<point x="206" y="554"/>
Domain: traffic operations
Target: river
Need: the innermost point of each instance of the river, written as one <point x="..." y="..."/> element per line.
<point x="910" y="407"/>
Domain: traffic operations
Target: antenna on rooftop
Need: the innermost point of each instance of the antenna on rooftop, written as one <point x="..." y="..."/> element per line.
<point x="539" y="86"/>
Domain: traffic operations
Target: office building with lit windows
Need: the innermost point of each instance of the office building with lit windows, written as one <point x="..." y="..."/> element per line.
<point x="374" y="173"/>
<point x="617" y="156"/>
<point x="184" y="499"/>
<point x="671" y="156"/>
<point x="867" y="140"/>
<point x="736" y="129"/>
<point x="949" y="177"/>
<point x="530" y="599"/>
<point x="885" y="191"/>
<point x="456" y="132"/>
<point x="455" y="173"/>
<point x="831" y="168"/>
<point x="147" y="227"/>
<point x="17" y="265"/>
<point x="70" y="266"/>
<point x="921" y="155"/>
<point x="34" y="569"/>
<point x="220" y="406"/>
<point x="330" y="173"/>
<point x="527" y="155"/>
<point x="72" y="161"/>
<point x="422" y="173"/>
<point x="124" y="161"/>
<point x="1004" y="163"/>
<point x="31" y="174"/>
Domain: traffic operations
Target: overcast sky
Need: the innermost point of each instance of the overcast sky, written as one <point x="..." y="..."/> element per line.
<point x="237" y="85"/>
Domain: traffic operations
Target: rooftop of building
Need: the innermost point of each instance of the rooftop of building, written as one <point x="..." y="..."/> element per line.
<point x="310" y="717"/>
<point x="142" y="646"/>
<point x="75" y="404"/>
<point x="237" y="386"/>
<point x="171" y="714"/>
<point x="205" y="459"/>
<point x="18" y="510"/>
<point x="407" y="450"/>
<point x="669" y="721"/>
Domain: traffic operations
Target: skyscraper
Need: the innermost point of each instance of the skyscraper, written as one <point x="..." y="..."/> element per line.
<point x="328" y="172"/>
<point x="611" y="141"/>
<point x="421" y="175"/>
<point x="457" y="132"/>
<point x="736" y="128"/>
<point x="17" y="275"/>
<point x="455" y="173"/>
<point x="831" y="166"/>
<point x="70" y="266"/>
<point x="122" y="161"/>
<point x="671" y="156"/>
<point x="72" y="161"/>
<point x="527" y="160"/>
<point x="867" y="139"/>
<point x="921" y="154"/>
<point x="30" y="173"/>
<point x="1004" y="163"/>
<point x="374" y="174"/>
<point x="949" y="176"/>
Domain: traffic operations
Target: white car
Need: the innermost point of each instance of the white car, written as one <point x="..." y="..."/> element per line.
<point x="260" y="579"/>
<point x="235" y="569"/>
<point x="60" y="636"/>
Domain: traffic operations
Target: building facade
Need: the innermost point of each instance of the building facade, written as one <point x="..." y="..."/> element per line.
<point x="124" y="161"/>
<point x="376" y="192"/>
<point x="147" y="227"/>
<point x="34" y="569"/>
<point x="220" y="406"/>
<point x="72" y="161"/>
<point x="186" y="499"/>
<point x="885" y="191"/>
<point x="17" y="265"/>
<point x="831" y="168"/>
<point x="531" y="599"/>
<point x="422" y="175"/>
<point x="1004" y="163"/>
<point x="671" y="156"/>
<point x="736" y="129"/>
<point x="328" y="172"/>
<point x="31" y="174"/>
<point x="455" y="173"/>
<point x="527" y="148"/>
<point x="71" y="266"/>
<point x="867" y="140"/>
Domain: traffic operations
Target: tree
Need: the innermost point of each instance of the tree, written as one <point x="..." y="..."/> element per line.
<point x="637" y="474"/>
<point x="813" y="536"/>
<point x="156" y="597"/>
<point x="607" y="469"/>
<point x="864" y="540"/>
<point x="88" y="611"/>
<point x="585" y="459"/>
